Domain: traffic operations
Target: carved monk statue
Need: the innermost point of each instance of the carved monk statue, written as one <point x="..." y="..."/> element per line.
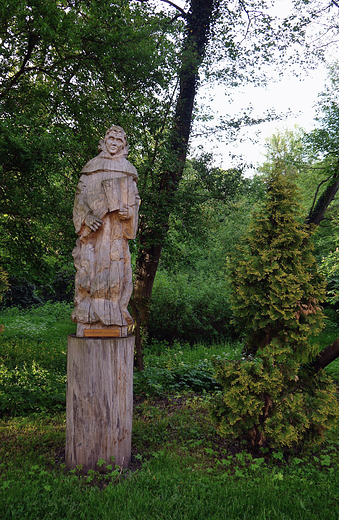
<point x="105" y="217"/>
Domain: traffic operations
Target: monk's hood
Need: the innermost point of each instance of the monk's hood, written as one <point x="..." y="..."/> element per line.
<point x="104" y="162"/>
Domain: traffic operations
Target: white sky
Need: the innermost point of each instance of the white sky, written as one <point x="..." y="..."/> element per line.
<point x="295" y="94"/>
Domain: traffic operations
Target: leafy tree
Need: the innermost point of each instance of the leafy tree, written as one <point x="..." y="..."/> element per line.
<point x="317" y="160"/>
<point x="190" y="297"/>
<point x="322" y="146"/>
<point x="68" y="69"/>
<point x="203" y="201"/>
<point x="220" y="40"/>
<point x="273" y="396"/>
<point x="329" y="266"/>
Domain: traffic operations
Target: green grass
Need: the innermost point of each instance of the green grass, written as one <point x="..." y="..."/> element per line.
<point x="184" y="472"/>
<point x="33" y="353"/>
<point x="47" y="323"/>
<point x="165" y="490"/>
<point x="181" y="468"/>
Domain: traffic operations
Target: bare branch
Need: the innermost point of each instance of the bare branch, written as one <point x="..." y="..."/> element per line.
<point x="335" y="3"/>
<point x="249" y="20"/>
<point x="31" y="44"/>
<point x="181" y="11"/>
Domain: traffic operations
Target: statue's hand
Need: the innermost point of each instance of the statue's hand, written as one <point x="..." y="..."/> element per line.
<point x="93" y="222"/>
<point x="124" y="213"/>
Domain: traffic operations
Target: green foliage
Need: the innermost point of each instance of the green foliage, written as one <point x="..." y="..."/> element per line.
<point x="202" y="206"/>
<point x="277" y="289"/>
<point x="68" y="71"/>
<point x="329" y="266"/>
<point x="190" y="307"/>
<point x="3" y="283"/>
<point x="270" y="401"/>
<point x="48" y="323"/>
<point x="30" y="388"/>
<point x="157" y="380"/>
<point x="179" y="368"/>
<point x="180" y="467"/>
<point x="313" y="163"/>
<point x="271" y="396"/>
<point x="33" y="350"/>
<point x="21" y="293"/>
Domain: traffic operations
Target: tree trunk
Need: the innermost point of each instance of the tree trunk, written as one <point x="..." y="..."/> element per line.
<point x="318" y="213"/>
<point x="319" y="209"/>
<point x="327" y="355"/>
<point x="147" y="264"/>
<point x="199" y="20"/>
<point x="99" y="401"/>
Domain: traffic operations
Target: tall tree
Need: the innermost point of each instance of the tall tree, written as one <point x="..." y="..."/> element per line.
<point x="223" y="40"/>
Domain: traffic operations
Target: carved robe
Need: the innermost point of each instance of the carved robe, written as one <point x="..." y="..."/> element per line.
<point x="103" y="282"/>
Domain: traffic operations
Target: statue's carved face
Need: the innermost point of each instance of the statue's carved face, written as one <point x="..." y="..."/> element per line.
<point x="114" y="143"/>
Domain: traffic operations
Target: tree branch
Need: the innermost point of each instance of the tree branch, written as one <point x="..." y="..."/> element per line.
<point x="181" y="11"/>
<point x="31" y="44"/>
<point x="318" y="211"/>
<point x="316" y="193"/>
<point x="327" y="355"/>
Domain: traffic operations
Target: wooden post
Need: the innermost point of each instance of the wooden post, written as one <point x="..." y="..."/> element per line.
<point x="99" y="401"/>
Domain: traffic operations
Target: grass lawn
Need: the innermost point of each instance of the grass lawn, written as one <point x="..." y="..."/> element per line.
<point x="181" y="468"/>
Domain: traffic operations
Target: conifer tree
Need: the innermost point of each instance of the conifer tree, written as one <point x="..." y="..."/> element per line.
<point x="272" y="395"/>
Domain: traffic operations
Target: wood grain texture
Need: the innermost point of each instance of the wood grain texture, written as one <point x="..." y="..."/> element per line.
<point x="105" y="216"/>
<point x="99" y="401"/>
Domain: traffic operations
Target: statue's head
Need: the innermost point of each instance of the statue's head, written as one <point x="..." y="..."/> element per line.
<point x="115" y="142"/>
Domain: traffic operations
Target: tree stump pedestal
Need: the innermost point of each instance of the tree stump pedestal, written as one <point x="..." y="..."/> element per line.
<point x="99" y="401"/>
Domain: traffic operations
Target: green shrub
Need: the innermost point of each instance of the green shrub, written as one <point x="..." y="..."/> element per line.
<point x="24" y="294"/>
<point x="4" y="284"/>
<point x="273" y="396"/>
<point x="191" y="309"/>
<point x="155" y="380"/>
<point x="270" y="400"/>
<point x="21" y="293"/>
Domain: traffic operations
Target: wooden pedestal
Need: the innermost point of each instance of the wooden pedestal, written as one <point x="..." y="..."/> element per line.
<point x="99" y="401"/>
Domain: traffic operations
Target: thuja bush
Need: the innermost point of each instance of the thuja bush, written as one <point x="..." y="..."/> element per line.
<point x="273" y="395"/>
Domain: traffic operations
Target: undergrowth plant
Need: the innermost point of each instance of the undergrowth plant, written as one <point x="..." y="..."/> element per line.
<point x="330" y="268"/>
<point x="3" y="288"/>
<point x="273" y="396"/>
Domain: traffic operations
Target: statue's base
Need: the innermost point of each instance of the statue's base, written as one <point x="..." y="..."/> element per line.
<point x="99" y="401"/>
<point x="97" y="330"/>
